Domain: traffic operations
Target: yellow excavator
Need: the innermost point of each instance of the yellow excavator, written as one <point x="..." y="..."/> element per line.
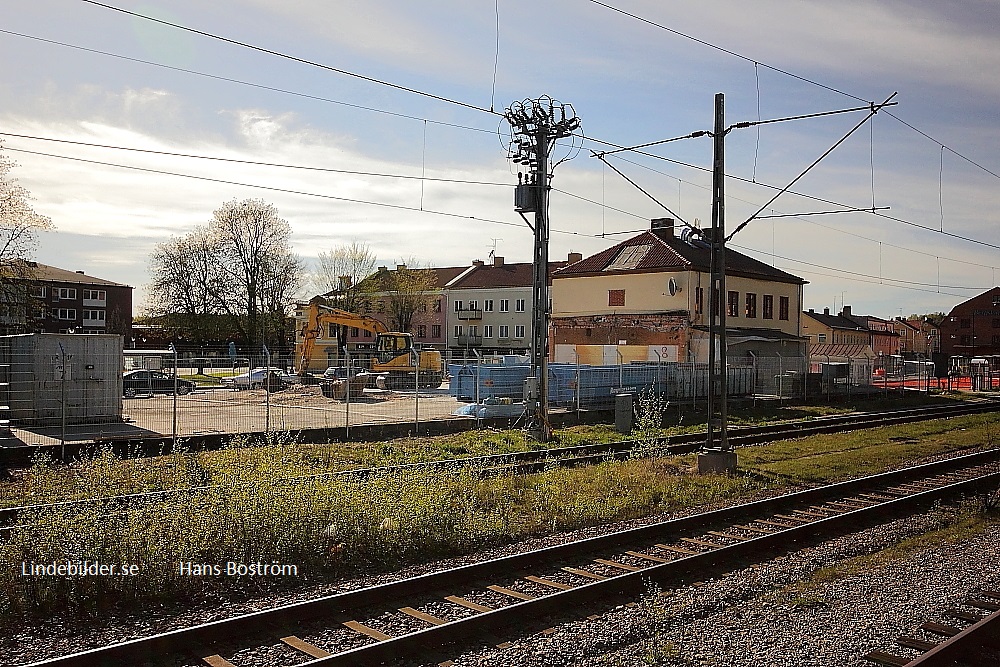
<point x="393" y="355"/>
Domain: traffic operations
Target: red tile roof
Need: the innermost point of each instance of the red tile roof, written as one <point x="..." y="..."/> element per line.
<point x="507" y="275"/>
<point x="668" y="253"/>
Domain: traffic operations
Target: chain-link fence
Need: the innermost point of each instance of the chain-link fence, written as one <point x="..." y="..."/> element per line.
<point x="58" y="388"/>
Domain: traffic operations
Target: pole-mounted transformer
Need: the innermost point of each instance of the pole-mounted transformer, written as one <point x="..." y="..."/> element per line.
<point x="536" y="126"/>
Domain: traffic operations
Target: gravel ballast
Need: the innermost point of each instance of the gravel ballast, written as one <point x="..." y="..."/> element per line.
<point x="751" y="618"/>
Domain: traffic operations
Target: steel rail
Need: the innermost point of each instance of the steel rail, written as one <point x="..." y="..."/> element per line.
<point x="715" y="561"/>
<point x="520" y="463"/>
<point x="964" y="645"/>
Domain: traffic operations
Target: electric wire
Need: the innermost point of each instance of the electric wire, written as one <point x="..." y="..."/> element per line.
<point x="874" y="109"/>
<point x="441" y="98"/>
<point x="241" y="82"/>
<point x="297" y="59"/>
<point x="816" y="198"/>
<point x="794" y="215"/>
<point x="724" y="50"/>
<point x="792" y="75"/>
<point x="253" y="162"/>
<point x="289" y="191"/>
<point x="618" y="146"/>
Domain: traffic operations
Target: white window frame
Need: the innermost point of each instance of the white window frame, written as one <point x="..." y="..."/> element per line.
<point x="458" y="306"/>
<point x="504" y="305"/>
<point x="519" y="306"/>
<point x="487" y="305"/>
<point x="68" y="293"/>
<point x="518" y="331"/>
<point x="458" y="330"/>
<point x="487" y="331"/>
<point x="504" y="331"/>
<point x="66" y="314"/>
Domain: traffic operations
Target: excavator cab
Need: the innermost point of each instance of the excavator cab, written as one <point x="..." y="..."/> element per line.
<point x="389" y="346"/>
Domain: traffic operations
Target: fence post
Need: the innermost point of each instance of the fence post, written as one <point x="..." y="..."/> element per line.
<point x="753" y="367"/>
<point x="781" y="382"/>
<point x="267" y="390"/>
<point x="577" y="388"/>
<point x="479" y="365"/>
<point x="347" y="397"/>
<point x="416" y="390"/>
<point x="621" y="369"/>
<point x="173" y="436"/>
<point x="62" y="432"/>
<point x="821" y="375"/>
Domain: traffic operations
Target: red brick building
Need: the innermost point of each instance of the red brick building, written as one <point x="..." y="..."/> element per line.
<point x="972" y="328"/>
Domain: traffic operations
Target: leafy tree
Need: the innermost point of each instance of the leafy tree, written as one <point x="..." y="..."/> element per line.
<point x="239" y="266"/>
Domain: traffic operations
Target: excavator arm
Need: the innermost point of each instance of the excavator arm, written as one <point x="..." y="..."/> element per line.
<point x="320" y="316"/>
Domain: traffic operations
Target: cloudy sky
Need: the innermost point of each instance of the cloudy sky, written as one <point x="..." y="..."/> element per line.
<point x="79" y="72"/>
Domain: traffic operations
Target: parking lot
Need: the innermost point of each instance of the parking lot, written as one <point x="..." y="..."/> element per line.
<point x="219" y="410"/>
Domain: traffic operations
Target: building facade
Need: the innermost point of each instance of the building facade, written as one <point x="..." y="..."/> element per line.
<point x="490" y="307"/>
<point x="972" y="328"/>
<point x="54" y="300"/>
<point x="651" y="291"/>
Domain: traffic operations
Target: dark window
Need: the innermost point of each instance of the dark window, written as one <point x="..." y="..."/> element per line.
<point x="422" y="331"/>
<point x="368" y="334"/>
<point x="965" y="323"/>
<point x="751" y="304"/>
<point x="616" y="297"/>
<point x="966" y="340"/>
<point x="996" y="339"/>
<point x="699" y="299"/>
<point x="355" y="332"/>
<point x="768" y="307"/>
<point x="733" y="304"/>
<point x="782" y="307"/>
<point x="996" y="322"/>
<point x="437" y="306"/>
<point x="436" y="329"/>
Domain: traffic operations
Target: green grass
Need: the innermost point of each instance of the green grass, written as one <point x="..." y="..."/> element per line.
<point x="336" y="528"/>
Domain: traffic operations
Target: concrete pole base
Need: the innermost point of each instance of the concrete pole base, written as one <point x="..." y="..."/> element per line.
<point x="716" y="461"/>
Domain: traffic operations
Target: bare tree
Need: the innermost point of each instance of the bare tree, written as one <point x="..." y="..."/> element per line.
<point x="19" y="225"/>
<point x="239" y="266"/>
<point x="341" y="279"/>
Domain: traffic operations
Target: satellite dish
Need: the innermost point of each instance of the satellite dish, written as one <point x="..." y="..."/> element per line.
<point x="672" y="287"/>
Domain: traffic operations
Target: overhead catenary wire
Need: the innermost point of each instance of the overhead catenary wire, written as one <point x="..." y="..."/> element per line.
<point x="614" y="145"/>
<point x="729" y="195"/>
<point x="799" y="77"/>
<point x="873" y="110"/>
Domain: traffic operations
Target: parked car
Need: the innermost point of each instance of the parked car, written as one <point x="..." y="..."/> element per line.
<point x="144" y="382"/>
<point x="255" y="378"/>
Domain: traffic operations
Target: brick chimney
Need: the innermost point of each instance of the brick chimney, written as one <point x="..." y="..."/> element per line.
<point x="826" y="311"/>
<point x="574" y="257"/>
<point x="846" y="312"/>
<point x="497" y="261"/>
<point x="478" y="262"/>
<point x="664" y="226"/>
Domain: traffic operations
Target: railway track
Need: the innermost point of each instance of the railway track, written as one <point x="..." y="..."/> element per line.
<point x="521" y="463"/>
<point x="418" y="616"/>
<point x="970" y="637"/>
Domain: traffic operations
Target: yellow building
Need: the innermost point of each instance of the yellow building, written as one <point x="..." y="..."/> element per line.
<point x="651" y="290"/>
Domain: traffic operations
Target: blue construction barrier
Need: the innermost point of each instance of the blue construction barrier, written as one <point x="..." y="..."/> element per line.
<point x="593" y="386"/>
